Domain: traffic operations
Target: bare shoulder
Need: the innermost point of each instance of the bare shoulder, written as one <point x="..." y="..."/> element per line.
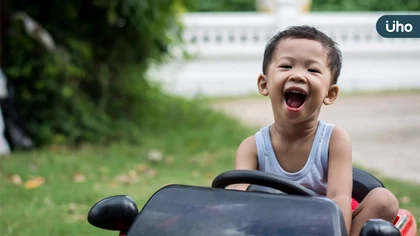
<point x="246" y="154"/>
<point x="340" y="155"/>
<point x="340" y="144"/>
<point x="248" y="145"/>
<point x="340" y="139"/>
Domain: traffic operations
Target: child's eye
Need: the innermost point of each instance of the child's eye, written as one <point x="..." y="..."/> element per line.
<point x="314" y="70"/>
<point x="285" y="66"/>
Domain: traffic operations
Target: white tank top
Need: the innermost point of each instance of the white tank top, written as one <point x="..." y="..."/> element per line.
<point x="314" y="174"/>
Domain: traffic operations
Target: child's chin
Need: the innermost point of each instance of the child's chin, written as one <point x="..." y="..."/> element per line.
<point x="294" y="117"/>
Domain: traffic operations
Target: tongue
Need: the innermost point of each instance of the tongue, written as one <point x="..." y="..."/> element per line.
<point x="295" y="100"/>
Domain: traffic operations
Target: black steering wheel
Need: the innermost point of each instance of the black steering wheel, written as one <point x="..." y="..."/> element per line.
<point x="260" y="178"/>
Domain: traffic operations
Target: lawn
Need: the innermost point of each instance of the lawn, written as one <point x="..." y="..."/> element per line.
<point x="49" y="191"/>
<point x="73" y="180"/>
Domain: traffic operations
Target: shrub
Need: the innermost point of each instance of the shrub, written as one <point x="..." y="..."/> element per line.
<point x="79" y="92"/>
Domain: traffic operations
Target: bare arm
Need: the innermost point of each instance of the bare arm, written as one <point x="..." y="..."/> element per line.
<point x="246" y="159"/>
<point x="340" y="175"/>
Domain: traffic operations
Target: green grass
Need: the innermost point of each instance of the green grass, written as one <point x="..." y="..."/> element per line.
<point x="60" y="205"/>
<point x="196" y="143"/>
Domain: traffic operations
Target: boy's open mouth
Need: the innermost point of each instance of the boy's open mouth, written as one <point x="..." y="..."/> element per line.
<point x="294" y="98"/>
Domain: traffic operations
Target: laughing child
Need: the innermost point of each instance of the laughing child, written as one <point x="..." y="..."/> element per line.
<point x="300" y="70"/>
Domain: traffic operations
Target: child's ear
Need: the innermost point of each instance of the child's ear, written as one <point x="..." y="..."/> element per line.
<point x="262" y="84"/>
<point x="332" y="95"/>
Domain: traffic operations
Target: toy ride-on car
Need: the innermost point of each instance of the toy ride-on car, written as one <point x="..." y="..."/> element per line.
<point x="270" y="206"/>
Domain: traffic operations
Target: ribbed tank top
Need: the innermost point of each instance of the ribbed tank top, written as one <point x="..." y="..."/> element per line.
<point x="314" y="174"/>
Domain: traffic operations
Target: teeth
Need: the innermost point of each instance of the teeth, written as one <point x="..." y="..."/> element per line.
<point x="298" y="92"/>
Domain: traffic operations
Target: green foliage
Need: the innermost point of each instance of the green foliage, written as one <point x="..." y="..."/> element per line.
<point x="221" y="6"/>
<point x="80" y="91"/>
<point x="365" y="5"/>
<point x="317" y="5"/>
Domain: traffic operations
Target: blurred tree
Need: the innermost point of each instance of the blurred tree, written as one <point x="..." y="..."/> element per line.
<point x="365" y="5"/>
<point x="75" y="89"/>
<point x="220" y="5"/>
<point x="317" y="5"/>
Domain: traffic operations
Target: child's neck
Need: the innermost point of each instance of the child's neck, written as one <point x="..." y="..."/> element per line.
<point x="291" y="132"/>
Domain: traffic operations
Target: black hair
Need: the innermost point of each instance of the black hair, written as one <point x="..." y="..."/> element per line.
<point x="311" y="33"/>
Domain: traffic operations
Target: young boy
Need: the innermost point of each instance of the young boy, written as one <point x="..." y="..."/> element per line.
<point x="300" y="71"/>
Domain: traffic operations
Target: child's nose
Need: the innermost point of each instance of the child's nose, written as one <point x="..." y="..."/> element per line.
<point x="298" y="79"/>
